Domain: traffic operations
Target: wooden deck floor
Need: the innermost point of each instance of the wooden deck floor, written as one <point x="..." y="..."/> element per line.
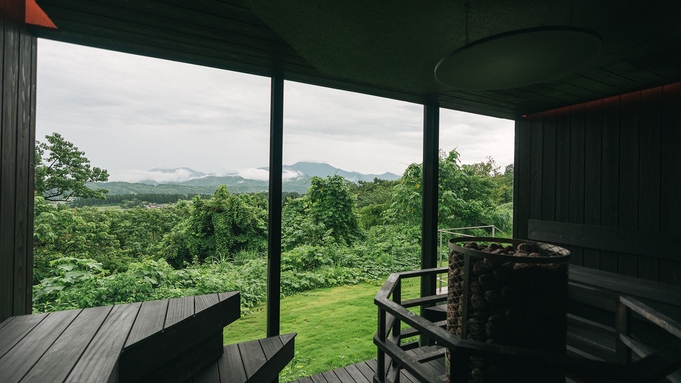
<point x="363" y="372"/>
<point x="124" y="342"/>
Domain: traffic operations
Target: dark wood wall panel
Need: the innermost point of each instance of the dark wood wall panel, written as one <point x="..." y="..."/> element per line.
<point x="613" y="164"/>
<point x="610" y="150"/>
<point x="521" y="195"/>
<point x="670" y="198"/>
<point x="592" y="175"/>
<point x="576" y="143"/>
<point x="17" y="140"/>
<point x="629" y="165"/>
<point x="649" y="175"/>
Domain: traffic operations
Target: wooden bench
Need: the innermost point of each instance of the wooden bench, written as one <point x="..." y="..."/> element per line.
<point x="158" y="341"/>
<point x="601" y="327"/>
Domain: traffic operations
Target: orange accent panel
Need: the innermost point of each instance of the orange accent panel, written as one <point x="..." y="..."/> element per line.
<point x="36" y="16"/>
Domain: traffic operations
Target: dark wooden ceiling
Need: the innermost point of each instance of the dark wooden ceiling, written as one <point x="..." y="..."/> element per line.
<point x="384" y="48"/>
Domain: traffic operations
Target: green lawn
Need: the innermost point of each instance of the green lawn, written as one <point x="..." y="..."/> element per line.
<point x="335" y="327"/>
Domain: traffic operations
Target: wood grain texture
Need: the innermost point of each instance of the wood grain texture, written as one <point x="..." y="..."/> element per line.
<point x="649" y="175"/>
<point x="610" y="170"/>
<point x="97" y="364"/>
<point x="256" y="357"/>
<point x="521" y="183"/>
<point x="629" y="175"/>
<point x="179" y="309"/>
<point x="548" y="148"/>
<point x="592" y="175"/>
<point x="536" y="174"/>
<point x="563" y="165"/>
<point x="15" y="330"/>
<point x="670" y="186"/>
<point x="150" y="321"/>
<point x="230" y="366"/>
<point x="65" y="352"/>
<point x="201" y="302"/>
<point x="577" y="169"/>
<point x="209" y="374"/>
<point x="15" y="364"/>
<point x="8" y="163"/>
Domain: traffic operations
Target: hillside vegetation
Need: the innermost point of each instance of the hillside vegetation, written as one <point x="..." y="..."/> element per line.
<point x="337" y="233"/>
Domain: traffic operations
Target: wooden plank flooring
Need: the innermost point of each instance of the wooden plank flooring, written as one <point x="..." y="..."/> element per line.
<point x="88" y="344"/>
<point x="363" y="372"/>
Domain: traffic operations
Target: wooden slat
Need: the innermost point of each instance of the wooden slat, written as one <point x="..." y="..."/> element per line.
<point x="563" y="165"/>
<point x="149" y="355"/>
<point x="521" y="183"/>
<point x="179" y="309"/>
<point x="366" y="370"/>
<point x="592" y="175"/>
<point x="670" y="186"/>
<point x="627" y="263"/>
<point x="8" y="164"/>
<point x="611" y="239"/>
<point x="270" y="346"/>
<point x="535" y="154"/>
<point x="6" y="321"/>
<point x="209" y="374"/>
<point x="65" y="352"/>
<point x="649" y="175"/>
<point x="31" y="177"/>
<point x="100" y="357"/>
<point x="610" y="170"/>
<point x="319" y="378"/>
<point x="230" y="365"/>
<point x="331" y="377"/>
<point x="577" y="153"/>
<point x="15" y="364"/>
<point x="548" y="148"/>
<point x="255" y="357"/>
<point x="15" y="330"/>
<point x="356" y="374"/>
<point x="149" y="321"/>
<point x="201" y="302"/>
<point x="24" y="150"/>
<point x="188" y="361"/>
<point x="624" y="285"/>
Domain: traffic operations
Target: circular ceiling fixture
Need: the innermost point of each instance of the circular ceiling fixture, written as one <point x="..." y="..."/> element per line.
<point x="518" y="58"/>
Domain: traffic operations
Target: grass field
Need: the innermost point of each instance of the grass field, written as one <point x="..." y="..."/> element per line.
<point x="335" y="327"/>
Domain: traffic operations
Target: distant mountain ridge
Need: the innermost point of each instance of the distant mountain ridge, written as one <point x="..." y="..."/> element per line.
<point x="195" y="182"/>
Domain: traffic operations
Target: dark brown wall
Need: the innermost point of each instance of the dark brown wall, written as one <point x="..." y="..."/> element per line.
<point x="610" y="163"/>
<point x="17" y="140"/>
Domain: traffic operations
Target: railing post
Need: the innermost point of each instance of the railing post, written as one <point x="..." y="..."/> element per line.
<point x="429" y="201"/>
<point x="274" y="206"/>
<point x="397" y="298"/>
<point x="623" y="326"/>
<point x="458" y="367"/>
<point x="380" y="358"/>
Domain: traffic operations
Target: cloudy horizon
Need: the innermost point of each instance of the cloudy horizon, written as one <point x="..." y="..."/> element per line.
<point x="130" y="114"/>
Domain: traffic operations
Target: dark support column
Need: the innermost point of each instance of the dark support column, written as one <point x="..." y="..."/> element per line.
<point x="17" y="160"/>
<point x="274" y="211"/>
<point x="431" y="135"/>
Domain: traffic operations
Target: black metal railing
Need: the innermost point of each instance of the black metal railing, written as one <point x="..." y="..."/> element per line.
<point x="654" y="364"/>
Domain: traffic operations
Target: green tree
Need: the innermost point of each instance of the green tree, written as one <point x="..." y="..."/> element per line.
<point x="218" y="227"/>
<point x="465" y="194"/>
<point x="62" y="171"/>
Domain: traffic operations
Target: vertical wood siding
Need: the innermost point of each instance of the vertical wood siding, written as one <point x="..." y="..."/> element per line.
<point x="614" y="162"/>
<point x="17" y="163"/>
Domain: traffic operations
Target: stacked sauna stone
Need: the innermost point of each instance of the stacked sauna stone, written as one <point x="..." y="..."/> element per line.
<point x="511" y="301"/>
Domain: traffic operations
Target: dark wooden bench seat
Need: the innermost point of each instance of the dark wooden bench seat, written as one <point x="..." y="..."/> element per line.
<point x="158" y="341"/>
<point x="254" y="361"/>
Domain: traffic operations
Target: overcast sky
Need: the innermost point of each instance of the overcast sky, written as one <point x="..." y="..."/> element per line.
<point x="130" y="114"/>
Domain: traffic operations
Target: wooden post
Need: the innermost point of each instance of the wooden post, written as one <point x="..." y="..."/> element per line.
<point x="431" y="149"/>
<point x="17" y="160"/>
<point x="274" y="211"/>
<point x="623" y="326"/>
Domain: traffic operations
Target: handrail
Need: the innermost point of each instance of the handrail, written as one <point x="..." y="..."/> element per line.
<point x="456" y="231"/>
<point x="389" y="349"/>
